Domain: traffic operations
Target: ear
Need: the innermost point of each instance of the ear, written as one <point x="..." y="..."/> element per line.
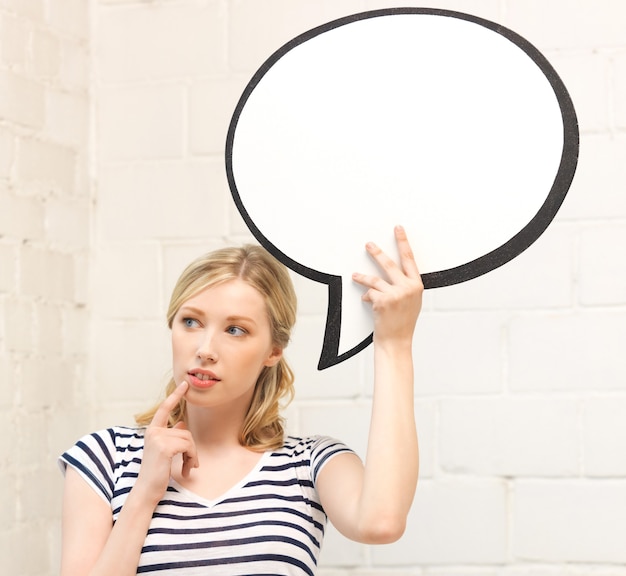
<point x="274" y="357"/>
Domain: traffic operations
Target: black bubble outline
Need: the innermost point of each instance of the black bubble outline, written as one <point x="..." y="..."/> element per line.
<point x="478" y="267"/>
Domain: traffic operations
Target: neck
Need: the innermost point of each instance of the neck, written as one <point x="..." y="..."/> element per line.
<point x="214" y="427"/>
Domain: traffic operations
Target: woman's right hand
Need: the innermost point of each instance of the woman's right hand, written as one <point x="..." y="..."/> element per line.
<point x="161" y="444"/>
<point x="92" y="544"/>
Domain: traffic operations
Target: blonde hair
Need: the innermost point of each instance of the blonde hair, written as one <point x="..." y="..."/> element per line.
<point x="263" y="427"/>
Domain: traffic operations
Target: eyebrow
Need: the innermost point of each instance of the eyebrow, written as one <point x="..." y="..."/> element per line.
<point x="232" y="318"/>
<point x="191" y="309"/>
<point x="240" y="319"/>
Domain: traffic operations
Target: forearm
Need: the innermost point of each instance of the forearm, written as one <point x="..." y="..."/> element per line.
<point x="122" y="550"/>
<point x="91" y="543"/>
<point x="384" y="488"/>
<point x="392" y="459"/>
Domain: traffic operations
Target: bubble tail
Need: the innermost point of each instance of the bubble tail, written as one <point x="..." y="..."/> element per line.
<point x="330" y="348"/>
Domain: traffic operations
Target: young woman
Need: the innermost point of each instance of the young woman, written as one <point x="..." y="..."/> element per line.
<point x="208" y="482"/>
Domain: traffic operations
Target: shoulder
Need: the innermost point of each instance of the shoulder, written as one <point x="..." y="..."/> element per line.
<point x="308" y="445"/>
<point x="99" y="456"/>
<point x="109" y="441"/>
<point x="313" y="451"/>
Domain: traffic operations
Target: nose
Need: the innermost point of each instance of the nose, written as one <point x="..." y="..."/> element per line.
<point x="207" y="350"/>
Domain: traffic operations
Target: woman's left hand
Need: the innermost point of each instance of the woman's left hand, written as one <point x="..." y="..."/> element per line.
<point x="397" y="299"/>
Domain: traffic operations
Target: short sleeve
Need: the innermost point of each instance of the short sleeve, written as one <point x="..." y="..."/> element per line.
<point x="323" y="449"/>
<point x="93" y="458"/>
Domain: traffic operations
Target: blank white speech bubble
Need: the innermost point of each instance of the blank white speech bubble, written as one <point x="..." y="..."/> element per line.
<point x="451" y="125"/>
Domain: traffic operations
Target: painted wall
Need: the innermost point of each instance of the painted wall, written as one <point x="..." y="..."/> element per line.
<point x="113" y="116"/>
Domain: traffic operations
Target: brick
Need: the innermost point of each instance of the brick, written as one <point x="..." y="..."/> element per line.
<point x="569" y="521"/>
<point x="350" y="422"/>
<point x="46" y="54"/>
<point x="8" y="499"/>
<point x="68" y="222"/>
<point x="604" y="437"/>
<point x="31" y="442"/>
<point x="602" y="270"/>
<point x="67" y="119"/>
<point x="516" y="284"/>
<point x="19" y="325"/>
<point x="303" y="352"/>
<point x="144" y="122"/>
<point x="528" y="569"/>
<point x="564" y="352"/>
<point x="164" y="200"/>
<point x="114" y="410"/>
<point x="175" y="258"/>
<point x="489" y="9"/>
<point x="452" y="522"/>
<point x="601" y="170"/>
<point x="211" y="106"/>
<point x="60" y="276"/>
<point x="339" y="551"/>
<point x="346" y="421"/>
<point x="142" y="365"/>
<point x="7" y="543"/>
<point x="65" y="426"/>
<point x="14" y="40"/>
<point x="82" y="280"/>
<point x="251" y="42"/>
<point x="7" y="379"/>
<point x="36" y="394"/>
<point x="46" y="273"/>
<point x="464" y="571"/>
<point x="85" y="187"/>
<point x="75" y="322"/>
<point x="236" y="223"/>
<point x="49" y="329"/>
<point x="27" y="549"/>
<point x="31" y="9"/>
<point x="177" y="40"/>
<point x="21" y="217"/>
<point x="445" y="357"/>
<point x="127" y="281"/>
<point x="38" y="504"/>
<point x="577" y="25"/>
<point x="8" y="447"/>
<point x="21" y="100"/>
<point x="408" y="571"/>
<point x="51" y="166"/>
<point x="491" y="436"/>
<point x="312" y="296"/>
<point x="7" y="148"/>
<point x="8" y="269"/>
<point x="75" y="65"/>
<point x="586" y="77"/>
<point x="619" y="87"/>
<point x="70" y="17"/>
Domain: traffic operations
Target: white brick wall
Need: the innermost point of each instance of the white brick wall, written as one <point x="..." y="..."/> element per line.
<point x="113" y="118"/>
<point x="569" y="521"/>
<point x="45" y="212"/>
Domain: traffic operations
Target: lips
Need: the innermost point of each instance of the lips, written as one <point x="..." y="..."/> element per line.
<point x="202" y="378"/>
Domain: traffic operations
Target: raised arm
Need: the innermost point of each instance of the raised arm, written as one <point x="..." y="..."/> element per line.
<point x="370" y="503"/>
<point x="91" y="544"/>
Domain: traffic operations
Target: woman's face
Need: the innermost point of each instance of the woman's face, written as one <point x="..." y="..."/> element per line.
<point x="221" y="340"/>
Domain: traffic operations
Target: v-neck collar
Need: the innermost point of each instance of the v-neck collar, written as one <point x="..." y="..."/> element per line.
<point x="236" y="487"/>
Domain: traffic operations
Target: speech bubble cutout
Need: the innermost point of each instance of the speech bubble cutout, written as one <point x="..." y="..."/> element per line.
<point x="449" y="124"/>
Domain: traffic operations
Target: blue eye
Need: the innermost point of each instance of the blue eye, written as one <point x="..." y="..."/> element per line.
<point x="190" y="322"/>
<point x="236" y="331"/>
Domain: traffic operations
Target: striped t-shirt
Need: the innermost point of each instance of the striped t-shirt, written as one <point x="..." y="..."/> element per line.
<point x="272" y="522"/>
